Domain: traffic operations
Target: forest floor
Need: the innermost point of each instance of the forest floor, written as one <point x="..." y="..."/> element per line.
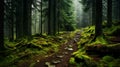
<point x="68" y="49"/>
<point x="60" y="58"/>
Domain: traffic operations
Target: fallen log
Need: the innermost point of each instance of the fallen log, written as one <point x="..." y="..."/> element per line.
<point x="102" y="50"/>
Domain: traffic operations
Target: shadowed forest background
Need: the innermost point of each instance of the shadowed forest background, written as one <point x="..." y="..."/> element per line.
<point x="60" y="33"/>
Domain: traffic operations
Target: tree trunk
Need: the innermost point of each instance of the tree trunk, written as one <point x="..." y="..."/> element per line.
<point x="98" y="25"/>
<point x="58" y="16"/>
<point x="1" y="25"/>
<point x="119" y="9"/>
<point x="41" y="18"/>
<point x="35" y="20"/>
<point x="109" y="13"/>
<point x="11" y="36"/>
<point x="49" y="15"/>
<point x="54" y="18"/>
<point x="19" y="19"/>
<point x="27" y="18"/>
<point x="93" y="12"/>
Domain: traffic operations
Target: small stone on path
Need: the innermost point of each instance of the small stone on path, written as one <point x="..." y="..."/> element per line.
<point x="59" y="56"/>
<point x="65" y="53"/>
<point x="49" y="65"/>
<point x="70" y="46"/>
<point x="56" y="61"/>
<point x="70" y="49"/>
<point x="38" y="60"/>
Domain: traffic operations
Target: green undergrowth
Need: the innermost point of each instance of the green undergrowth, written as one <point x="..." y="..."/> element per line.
<point x="86" y="61"/>
<point x="81" y="58"/>
<point x="99" y="40"/>
<point x="88" y="35"/>
<point x="73" y="33"/>
<point x="112" y="31"/>
<point x="25" y="49"/>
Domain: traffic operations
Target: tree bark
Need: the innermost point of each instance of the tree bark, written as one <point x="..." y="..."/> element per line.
<point x="11" y="36"/>
<point x="119" y="9"/>
<point x="49" y="15"/>
<point x="98" y="23"/>
<point x="58" y="16"/>
<point x="19" y="19"/>
<point x="41" y="18"/>
<point x="51" y="18"/>
<point x="109" y="13"/>
<point x="93" y="12"/>
<point x="27" y="18"/>
<point x="54" y="18"/>
<point x="1" y="25"/>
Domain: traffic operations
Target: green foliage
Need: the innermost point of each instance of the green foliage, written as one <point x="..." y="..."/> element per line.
<point x="114" y="30"/>
<point x="80" y="59"/>
<point x="88" y="31"/>
<point x="87" y="35"/>
<point x="81" y="55"/>
<point x="67" y="16"/>
<point x="109" y="61"/>
<point x="104" y="24"/>
<point x="32" y="64"/>
<point x="107" y="58"/>
<point x="86" y="4"/>
<point x="38" y="45"/>
<point x="73" y="33"/>
<point x="100" y="40"/>
<point x="72" y="60"/>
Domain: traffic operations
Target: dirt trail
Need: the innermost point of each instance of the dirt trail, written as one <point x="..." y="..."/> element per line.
<point x="61" y="59"/>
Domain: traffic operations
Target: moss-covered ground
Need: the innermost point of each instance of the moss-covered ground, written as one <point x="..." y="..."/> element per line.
<point x="100" y="52"/>
<point x="35" y="49"/>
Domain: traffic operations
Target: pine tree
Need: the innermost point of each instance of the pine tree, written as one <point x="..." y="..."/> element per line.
<point x="1" y="25"/>
<point x="109" y="13"/>
<point x="98" y="23"/>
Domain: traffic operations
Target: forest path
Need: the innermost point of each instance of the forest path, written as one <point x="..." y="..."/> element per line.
<point x="61" y="59"/>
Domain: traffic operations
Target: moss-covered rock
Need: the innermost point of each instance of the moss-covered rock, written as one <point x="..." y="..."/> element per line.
<point x="108" y="58"/>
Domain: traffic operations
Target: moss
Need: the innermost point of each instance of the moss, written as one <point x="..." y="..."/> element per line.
<point x="80" y="59"/>
<point x="108" y="61"/>
<point x="24" y="49"/>
<point x="107" y="58"/>
<point x="80" y="56"/>
<point x="90" y="29"/>
<point x="114" y="30"/>
<point x="99" y="40"/>
<point x="11" y="45"/>
<point x="87" y="35"/>
<point x="32" y="64"/>
<point x="72" y="60"/>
